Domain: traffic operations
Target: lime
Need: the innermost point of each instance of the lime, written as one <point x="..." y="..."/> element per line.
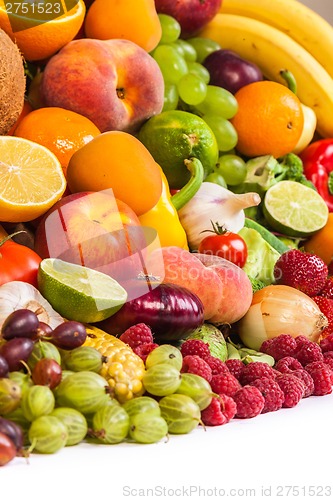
<point x="174" y="136"/>
<point x="79" y="293"/>
<point x="294" y="209"/>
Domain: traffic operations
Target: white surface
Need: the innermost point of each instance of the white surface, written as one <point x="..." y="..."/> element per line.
<point x="323" y="7"/>
<point x="287" y="448"/>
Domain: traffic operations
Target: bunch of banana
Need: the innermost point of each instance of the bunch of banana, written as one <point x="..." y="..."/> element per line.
<point x="248" y="355"/>
<point x="282" y="35"/>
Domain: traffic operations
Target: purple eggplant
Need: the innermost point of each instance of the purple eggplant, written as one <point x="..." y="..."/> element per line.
<point x="230" y="71"/>
<point x="172" y="312"/>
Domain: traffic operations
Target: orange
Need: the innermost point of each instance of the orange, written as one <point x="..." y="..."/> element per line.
<point x="62" y="131"/>
<point x="27" y="108"/>
<point x="32" y="179"/>
<point x="117" y="160"/>
<point x="134" y="20"/>
<point x="269" y="120"/>
<point x="321" y="243"/>
<point x="40" y="40"/>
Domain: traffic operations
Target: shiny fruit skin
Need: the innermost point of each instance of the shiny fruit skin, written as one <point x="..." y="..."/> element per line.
<point x="7" y="449"/>
<point x="69" y="335"/>
<point x="15" y="351"/>
<point x="20" y="323"/>
<point x="47" y="372"/>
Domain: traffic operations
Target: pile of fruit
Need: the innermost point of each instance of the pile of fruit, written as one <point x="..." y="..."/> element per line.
<point x="166" y="217"/>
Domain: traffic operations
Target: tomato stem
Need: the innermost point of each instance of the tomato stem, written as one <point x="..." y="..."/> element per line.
<point x="217" y="229"/>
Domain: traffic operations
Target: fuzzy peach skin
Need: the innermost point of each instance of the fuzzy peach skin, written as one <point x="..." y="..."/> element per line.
<point x="115" y="83"/>
<point x="224" y="289"/>
<point x="180" y="267"/>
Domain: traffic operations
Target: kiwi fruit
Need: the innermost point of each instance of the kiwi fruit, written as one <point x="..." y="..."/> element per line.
<point x="12" y="83"/>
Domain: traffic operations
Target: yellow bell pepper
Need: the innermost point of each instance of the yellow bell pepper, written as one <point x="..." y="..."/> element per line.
<point x="163" y="217"/>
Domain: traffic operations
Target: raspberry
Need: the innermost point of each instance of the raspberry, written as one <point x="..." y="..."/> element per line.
<point x="255" y="370"/>
<point x="287" y="365"/>
<point x="326" y="307"/>
<point x="322" y="378"/>
<point x="306" y="378"/>
<point x="301" y="340"/>
<point x="304" y="271"/>
<point x="136" y="335"/>
<point x="235" y="366"/>
<point x="292" y="387"/>
<point x="198" y="366"/>
<point x="225" y="383"/>
<point x="279" y="347"/>
<point x="220" y="411"/>
<point x="309" y="352"/>
<point x="195" y="347"/>
<point x="249" y="402"/>
<point x="144" y="349"/>
<point x="328" y="359"/>
<point x="212" y="415"/>
<point x="217" y="365"/>
<point x="326" y="344"/>
<point x="272" y="393"/>
<point x="327" y="290"/>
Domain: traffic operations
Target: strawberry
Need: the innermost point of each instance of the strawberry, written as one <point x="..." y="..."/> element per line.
<point x="302" y="270"/>
<point x="327" y="290"/>
<point x="326" y="307"/>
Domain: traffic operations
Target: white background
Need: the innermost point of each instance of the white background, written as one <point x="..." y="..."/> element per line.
<point x="323" y="7"/>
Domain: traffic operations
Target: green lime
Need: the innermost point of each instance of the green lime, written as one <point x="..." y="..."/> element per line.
<point x="294" y="209"/>
<point x="79" y="293"/>
<point x="174" y="136"/>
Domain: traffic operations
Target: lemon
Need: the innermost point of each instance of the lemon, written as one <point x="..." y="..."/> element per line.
<point x="174" y="136"/>
<point x="79" y="293"/>
<point x="294" y="209"/>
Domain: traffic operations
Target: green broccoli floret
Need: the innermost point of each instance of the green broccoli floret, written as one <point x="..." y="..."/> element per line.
<point x="265" y="171"/>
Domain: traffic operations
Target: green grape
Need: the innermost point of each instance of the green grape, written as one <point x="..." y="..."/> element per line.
<point x="225" y="133"/>
<point x="142" y="405"/>
<point x="203" y="47"/>
<point x="216" y="178"/>
<point x="10" y="395"/>
<point x="189" y="51"/>
<point x="232" y="168"/>
<point x="43" y="349"/>
<point x="165" y="353"/>
<point x="171" y="97"/>
<point x="47" y="434"/>
<point x="194" y="68"/>
<point x="172" y="65"/>
<point x="38" y="400"/>
<point x="218" y="101"/>
<point x="162" y="379"/>
<point x="197" y="388"/>
<point x="170" y="28"/>
<point x="110" y="424"/>
<point x="83" y="358"/>
<point x="147" y="429"/>
<point x="181" y="413"/>
<point x="84" y="391"/>
<point x="178" y="48"/>
<point x="75" y="423"/>
<point x="191" y="89"/>
<point x="24" y="380"/>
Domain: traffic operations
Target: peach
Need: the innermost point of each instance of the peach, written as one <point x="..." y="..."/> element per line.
<point x="181" y="267"/>
<point x="237" y="294"/>
<point x="115" y="83"/>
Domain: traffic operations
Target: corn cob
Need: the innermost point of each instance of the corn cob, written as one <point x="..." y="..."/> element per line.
<point x="123" y="369"/>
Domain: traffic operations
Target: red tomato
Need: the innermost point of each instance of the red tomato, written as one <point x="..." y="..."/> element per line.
<point x="18" y="263"/>
<point x="229" y="246"/>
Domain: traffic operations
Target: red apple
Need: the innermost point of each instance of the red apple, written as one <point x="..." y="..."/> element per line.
<point x="96" y="230"/>
<point x="192" y="15"/>
<point x="115" y="83"/>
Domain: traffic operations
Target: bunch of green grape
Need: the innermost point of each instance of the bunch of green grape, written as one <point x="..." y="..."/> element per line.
<point x="187" y="88"/>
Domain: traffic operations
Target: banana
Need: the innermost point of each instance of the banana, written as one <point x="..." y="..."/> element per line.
<point x="274" y="51"/>
<point x="295" y="19"/>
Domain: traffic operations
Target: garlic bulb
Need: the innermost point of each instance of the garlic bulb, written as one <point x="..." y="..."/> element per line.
<point x="214" y="203"/>
<point x="19" y="295"/>
<point x="277" y="309"/>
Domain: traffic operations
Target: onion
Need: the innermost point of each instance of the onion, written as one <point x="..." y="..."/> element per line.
<point x="277" y="309"/>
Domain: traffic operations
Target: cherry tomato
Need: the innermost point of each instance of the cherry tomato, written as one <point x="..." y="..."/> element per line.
<point x="18" y="262"/>
<point x="225" y="244"/>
